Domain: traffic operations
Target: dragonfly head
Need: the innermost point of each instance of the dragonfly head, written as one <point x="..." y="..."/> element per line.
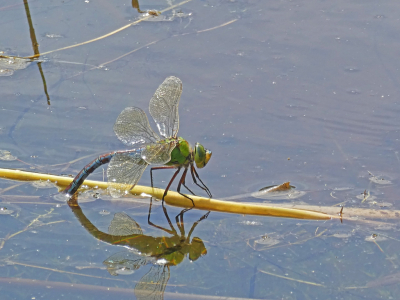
<point x="201" y="155"/>
<point x="197" y="249"/>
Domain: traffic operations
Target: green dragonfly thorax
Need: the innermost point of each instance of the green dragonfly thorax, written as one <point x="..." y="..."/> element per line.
<point x="183" y="155"/>
<point x="174" y="255"/>
<point x="173" y="249"/>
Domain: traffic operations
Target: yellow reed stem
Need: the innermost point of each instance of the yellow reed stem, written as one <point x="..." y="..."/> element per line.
<point x="175" y="199"/>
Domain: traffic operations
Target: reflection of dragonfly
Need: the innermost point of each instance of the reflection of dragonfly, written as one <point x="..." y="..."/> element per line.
<point x="162" y="252"/>
<point x="133" y="129"/>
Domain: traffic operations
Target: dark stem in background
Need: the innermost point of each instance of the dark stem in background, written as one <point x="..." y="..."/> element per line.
<point x="35" y="46"/>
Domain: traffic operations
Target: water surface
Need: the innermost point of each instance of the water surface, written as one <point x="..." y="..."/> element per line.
<point x="301" y="91"/>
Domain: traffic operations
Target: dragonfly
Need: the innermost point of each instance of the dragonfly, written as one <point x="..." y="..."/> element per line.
<point x="147" y="148"/>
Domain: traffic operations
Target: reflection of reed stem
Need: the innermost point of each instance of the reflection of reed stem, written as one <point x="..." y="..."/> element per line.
<point x="35" y="46"/>
<point x="39" y="64"/>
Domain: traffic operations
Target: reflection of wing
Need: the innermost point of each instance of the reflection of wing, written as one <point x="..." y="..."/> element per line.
<point x="124" y="263"/>
<point x="158" y="154"/>
<point x="122" y="224"/>
<point x="132" y="127"/>
<point x="152" y="285"/>
<point x="164" y="106"/>
<point x="124" y="169"/>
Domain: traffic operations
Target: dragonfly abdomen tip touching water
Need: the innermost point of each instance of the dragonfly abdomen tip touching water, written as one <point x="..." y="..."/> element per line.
<point x="133" y="129"/>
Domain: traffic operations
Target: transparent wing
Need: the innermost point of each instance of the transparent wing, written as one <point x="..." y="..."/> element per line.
<point x="124" y="263"/>
<point x="159" y="153"/>
<point x="152" y="285"/>
<point x="164" y="106"/>
<point x="132" y="127"/>
<point x="122" y="224"/>
<point x="124" y="171"/>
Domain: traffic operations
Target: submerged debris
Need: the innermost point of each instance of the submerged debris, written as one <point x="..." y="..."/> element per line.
<point x="6" y="155"/>
<point x="5" y="211"/>
<point x="9" y="64"/>
<point x="43" y="184"/>
<point x="53" y="36"/>
<point x="266" y="240"/>
<point x="283" y="191"/>
<point x="379" y="179"/>
<point x="375" y="238"/>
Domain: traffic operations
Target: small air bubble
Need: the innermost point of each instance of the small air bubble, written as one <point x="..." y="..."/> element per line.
<point x="353" y="92"/>
<point x="351" y="69"/>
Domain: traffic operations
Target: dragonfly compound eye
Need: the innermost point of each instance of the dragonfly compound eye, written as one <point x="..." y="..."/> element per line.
<point x="201" y="155"/>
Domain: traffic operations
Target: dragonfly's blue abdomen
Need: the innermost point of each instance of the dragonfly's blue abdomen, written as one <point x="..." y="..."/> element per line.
<point x="88" y="169"/>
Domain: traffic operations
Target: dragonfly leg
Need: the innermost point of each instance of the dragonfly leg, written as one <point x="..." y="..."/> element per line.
<point x="181" y="181"/>
<point x="204" y="187"/>
<point x="195" y="224"/>
<point x="172" y="231"/>
<point x="184" y="184"/>
<point x="169" y="184"/>
<point x="180" y="224"/>
<point x="158" y="168"/>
